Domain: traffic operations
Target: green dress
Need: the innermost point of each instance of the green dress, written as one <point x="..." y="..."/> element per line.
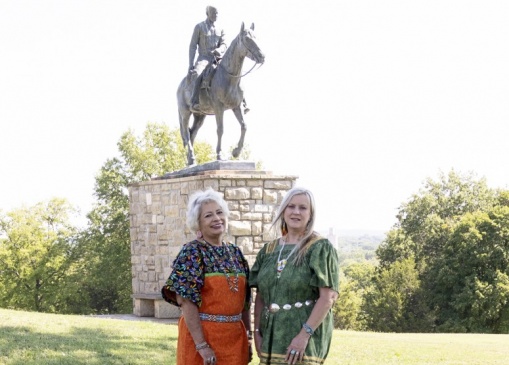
<point x="296" y="284"/>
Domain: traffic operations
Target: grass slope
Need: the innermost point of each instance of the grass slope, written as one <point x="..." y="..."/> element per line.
<point x="48" y="339"/>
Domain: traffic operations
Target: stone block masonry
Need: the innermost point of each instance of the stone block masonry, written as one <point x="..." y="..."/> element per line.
<point x="158" y="224"/>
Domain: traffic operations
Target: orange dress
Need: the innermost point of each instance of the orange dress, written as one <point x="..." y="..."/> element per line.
<point x="197" y="275"/>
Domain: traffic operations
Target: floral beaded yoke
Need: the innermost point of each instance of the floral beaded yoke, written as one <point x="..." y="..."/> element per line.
<point x="195" y="261"/>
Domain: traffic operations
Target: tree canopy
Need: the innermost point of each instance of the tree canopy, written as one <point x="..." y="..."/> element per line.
<point x="457" y="231"/>
<point x="37" y="251"/>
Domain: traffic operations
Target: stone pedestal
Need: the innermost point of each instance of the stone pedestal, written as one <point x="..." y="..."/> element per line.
<point x="158" y="221"/>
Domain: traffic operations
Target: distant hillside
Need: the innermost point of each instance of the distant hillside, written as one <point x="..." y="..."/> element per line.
<point x="355" y="245"/>
<point x="363" y="242"/>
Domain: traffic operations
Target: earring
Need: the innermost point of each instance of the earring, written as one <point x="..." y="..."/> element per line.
<point x="284" y="228"/>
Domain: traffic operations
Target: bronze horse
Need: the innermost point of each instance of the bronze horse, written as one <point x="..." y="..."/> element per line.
<point x="225" y="93"/>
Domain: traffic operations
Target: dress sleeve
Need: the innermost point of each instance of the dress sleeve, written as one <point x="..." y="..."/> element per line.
<point x="324" y="264"/>
<point x="187" y="277"/>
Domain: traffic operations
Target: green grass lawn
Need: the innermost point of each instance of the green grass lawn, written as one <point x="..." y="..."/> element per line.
<point x="46" y="339"/>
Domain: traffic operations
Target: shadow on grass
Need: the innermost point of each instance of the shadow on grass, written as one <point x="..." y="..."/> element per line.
<point x="23" y="345"/>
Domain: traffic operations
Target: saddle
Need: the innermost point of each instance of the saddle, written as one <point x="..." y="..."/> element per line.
<point x="208" y="74"/>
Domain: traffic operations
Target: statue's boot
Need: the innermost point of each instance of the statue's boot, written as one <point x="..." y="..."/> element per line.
<point x="195" y="103"/>
<point x="246" y="109"/>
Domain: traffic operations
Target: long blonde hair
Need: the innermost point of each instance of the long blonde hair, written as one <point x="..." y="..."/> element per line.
<point x="310" y="236"/>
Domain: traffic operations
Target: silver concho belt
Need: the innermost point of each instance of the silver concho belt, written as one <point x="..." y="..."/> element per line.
<point x="273" y="308"/>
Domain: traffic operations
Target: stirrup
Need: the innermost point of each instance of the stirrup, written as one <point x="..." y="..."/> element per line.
<point x="195" y="108"/>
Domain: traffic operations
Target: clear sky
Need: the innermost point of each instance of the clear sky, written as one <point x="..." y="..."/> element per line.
<point x="363" y="100"/>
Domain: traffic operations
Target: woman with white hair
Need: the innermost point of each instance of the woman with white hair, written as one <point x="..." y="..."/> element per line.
<point x="296" y="277"/>
<point x="209" y="284"/>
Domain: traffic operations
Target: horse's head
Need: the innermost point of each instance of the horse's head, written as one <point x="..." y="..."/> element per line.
<point x="248" y="40"/>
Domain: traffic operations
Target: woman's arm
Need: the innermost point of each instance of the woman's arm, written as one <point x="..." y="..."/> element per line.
<point x="193" y="322"/>
<point x="246" y="318"/>
<point x="321" y="308"/>
<point x="318" y="314"/>
<point x="259" y="304"/>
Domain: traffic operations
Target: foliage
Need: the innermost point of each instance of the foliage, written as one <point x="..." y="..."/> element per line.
<point x="456" y="231"/>
<point x="37" y="251"/>
<point x="355" y="282"/>
<point x="472" y="276"/>
<point x="357" y="263"/>
<point x="106" y="282"/>
<point x="395" y="303"/>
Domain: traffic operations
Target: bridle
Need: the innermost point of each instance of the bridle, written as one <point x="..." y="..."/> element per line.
<point x="251" y="52"/>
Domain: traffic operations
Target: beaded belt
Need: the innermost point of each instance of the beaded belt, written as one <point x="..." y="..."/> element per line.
<point x="273" y="308"/>
<point x="220" y="318"/>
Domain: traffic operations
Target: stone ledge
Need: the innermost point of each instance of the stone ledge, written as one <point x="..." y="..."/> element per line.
<point x="195" y="170"/>
<point x="153" y="305"/>
<point x="153" y="296"/>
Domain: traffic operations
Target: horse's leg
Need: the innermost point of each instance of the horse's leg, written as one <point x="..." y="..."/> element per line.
<point x="243" y="128"/>
<point x="197" y="124"/>
<point x="220" y="129"/>
<point x="184" y="116"/>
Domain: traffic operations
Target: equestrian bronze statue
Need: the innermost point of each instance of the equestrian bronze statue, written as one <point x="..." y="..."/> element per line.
<point x="222" y="91"/>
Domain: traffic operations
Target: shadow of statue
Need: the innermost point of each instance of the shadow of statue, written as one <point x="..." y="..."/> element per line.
<point x="224" y="92"/>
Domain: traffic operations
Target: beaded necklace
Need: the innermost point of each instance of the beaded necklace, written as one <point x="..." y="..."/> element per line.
<point x="233" y="282"/>
<point x="281" y="264"/>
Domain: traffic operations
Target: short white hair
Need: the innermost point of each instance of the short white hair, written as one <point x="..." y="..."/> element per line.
<point x="196" y="201"/>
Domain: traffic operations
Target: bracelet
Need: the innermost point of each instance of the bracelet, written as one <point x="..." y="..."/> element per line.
<point x="249" y="335"/>
<point x="308" y="329"/>
<point x="202" y="346"/>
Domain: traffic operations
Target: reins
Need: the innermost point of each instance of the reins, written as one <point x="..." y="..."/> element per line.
<point x="241" y="76"/>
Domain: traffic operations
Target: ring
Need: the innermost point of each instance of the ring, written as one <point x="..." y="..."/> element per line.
<point x="293" y="352"/>
<point x="297" y="352"/>
<point x="213" y="359"/>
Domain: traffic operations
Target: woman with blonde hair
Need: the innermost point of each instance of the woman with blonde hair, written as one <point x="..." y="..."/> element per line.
<point x="296" y="277"/>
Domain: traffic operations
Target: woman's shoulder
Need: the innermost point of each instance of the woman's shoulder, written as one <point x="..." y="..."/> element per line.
<point x="321" y="243"/>
<point x="269" y="247"/>
<point x="193" y="246"/>
<point x="232" y="246"/>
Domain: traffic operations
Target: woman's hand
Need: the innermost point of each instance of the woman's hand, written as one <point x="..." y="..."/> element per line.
<point x="208" y="355"/>
<point x="250" y="349"/>
<point x="258" y="342"/>
<point x="295" y="352"/>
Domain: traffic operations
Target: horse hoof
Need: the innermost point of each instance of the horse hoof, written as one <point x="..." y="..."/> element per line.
<point x="236" y="152"/>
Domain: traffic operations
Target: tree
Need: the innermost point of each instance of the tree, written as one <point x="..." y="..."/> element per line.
<point x="107" y="280"/>
<point x="456" y="231"/>
<point x="471" y="285"/>
<point x="37" y="251"/>
<point x="354" y="284"/>
<point x="421" y="221"/>
<point x="395" y="302"/>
